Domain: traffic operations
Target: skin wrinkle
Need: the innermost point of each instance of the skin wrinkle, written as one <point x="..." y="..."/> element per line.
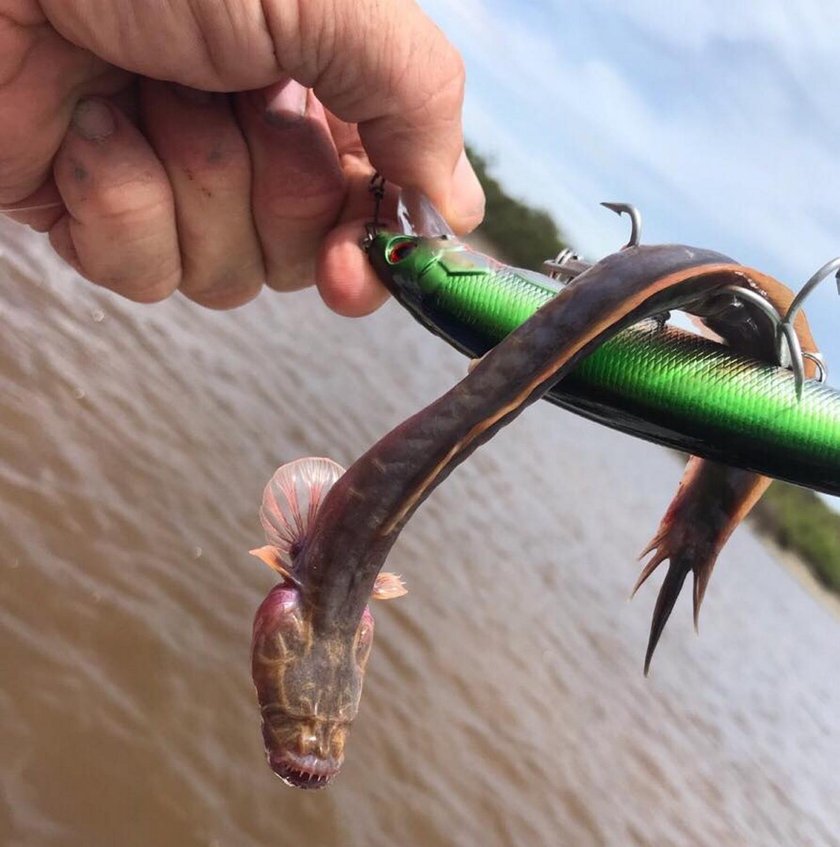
<point x="284" y="22"/>
<point x="266" y="22"/>
<point x="8" y="58"/>
<point x="418" y="117"/>
<point x="206" y="50"/>
<point x="123" y="44"/>
<point x="10" y="6"/>
<point x="107" y="202"/>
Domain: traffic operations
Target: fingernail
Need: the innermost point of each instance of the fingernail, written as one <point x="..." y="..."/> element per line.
<point x="285" y="100"/>
<point x="193" y="95"/>
<point x="466" y="194"/>
<point x="93" y="120"/>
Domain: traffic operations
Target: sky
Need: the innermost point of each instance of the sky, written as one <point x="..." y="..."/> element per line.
<point x="719" y="120"/>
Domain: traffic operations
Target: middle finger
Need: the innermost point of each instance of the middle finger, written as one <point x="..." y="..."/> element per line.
<point x="298" y="184"/>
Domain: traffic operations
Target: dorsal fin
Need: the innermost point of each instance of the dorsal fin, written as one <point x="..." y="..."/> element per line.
<point x="291" y="500"/>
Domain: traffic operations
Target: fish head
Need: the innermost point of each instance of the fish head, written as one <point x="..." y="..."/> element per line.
<point x="309" y="686"/>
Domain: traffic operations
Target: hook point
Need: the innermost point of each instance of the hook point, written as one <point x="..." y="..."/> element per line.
<point x="618" y="208"/>
<point x="635" y="220"/>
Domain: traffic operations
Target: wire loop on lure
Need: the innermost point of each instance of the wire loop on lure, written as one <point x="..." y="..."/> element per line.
<point x="376" y="187"/>
<point x="785" y="329"/>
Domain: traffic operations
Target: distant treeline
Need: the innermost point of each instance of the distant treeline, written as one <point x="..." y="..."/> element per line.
<point x="523" y="236"/>
<point x="801" y="522"/>
<point x="794" y="518"/>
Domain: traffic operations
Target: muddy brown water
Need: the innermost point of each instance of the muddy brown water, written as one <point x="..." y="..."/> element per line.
<point x="504" y="702"/>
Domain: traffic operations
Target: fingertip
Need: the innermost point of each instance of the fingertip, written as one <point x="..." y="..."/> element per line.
<point x="465" y="208"/>
<point x="346" y="281"/>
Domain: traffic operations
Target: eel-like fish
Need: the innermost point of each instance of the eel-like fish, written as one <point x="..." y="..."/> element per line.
<point x="313" y="632"/>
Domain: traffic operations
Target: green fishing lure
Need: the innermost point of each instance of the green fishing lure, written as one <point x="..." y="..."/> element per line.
<point x="651" y="380"/>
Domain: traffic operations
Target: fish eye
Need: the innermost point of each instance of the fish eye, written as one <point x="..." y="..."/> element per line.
<point x="398" y="250"/>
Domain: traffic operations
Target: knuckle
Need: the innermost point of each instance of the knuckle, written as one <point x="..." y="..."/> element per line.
<point x="110" y="196"/>
<point x="212" y="165"/>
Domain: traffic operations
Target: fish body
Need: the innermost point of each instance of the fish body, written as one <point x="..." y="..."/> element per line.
<point x="656" y="382"/>
<point x="329" y="532"/>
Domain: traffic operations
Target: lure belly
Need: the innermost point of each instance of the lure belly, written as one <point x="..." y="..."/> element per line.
<point x="656" y="382"/>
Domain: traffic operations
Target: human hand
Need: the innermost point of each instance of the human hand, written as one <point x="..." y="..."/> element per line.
<point x="146" y="185"/>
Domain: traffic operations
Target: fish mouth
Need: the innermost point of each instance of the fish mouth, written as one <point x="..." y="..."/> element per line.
<point x="307" y="772"/>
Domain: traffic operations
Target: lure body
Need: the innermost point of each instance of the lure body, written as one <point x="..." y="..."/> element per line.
<point x="657" y="382"/>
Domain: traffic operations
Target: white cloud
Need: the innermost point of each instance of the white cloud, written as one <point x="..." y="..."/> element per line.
<point x="796" y="31"/>
<point x="718" y="119"/>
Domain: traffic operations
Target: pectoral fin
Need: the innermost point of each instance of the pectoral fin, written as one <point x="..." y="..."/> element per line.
<point x="388" y="586"/>
<point x="271" y="557"/>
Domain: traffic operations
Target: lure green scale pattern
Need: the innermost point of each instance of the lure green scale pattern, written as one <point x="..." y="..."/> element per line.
<point x="659" y="383"/>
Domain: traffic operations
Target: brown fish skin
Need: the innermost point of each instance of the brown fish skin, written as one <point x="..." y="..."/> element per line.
<point x="713" y="499"/>
<point x="313" y="673"/>
<point x="304" y="731"/>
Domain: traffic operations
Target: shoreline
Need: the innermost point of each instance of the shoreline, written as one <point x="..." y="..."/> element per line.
<point x="799" y="569"/>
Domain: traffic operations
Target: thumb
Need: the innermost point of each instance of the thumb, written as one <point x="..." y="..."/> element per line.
<point x="395" y="74"/>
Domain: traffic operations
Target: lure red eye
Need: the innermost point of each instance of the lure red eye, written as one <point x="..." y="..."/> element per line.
<point x="397" y="252"/>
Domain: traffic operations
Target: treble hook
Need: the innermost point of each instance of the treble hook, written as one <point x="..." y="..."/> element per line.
<point x="635" y="221"/>
<point x="786" y="326"/>
<point x="797" y="364"/>
<point x="376" y="187"/>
